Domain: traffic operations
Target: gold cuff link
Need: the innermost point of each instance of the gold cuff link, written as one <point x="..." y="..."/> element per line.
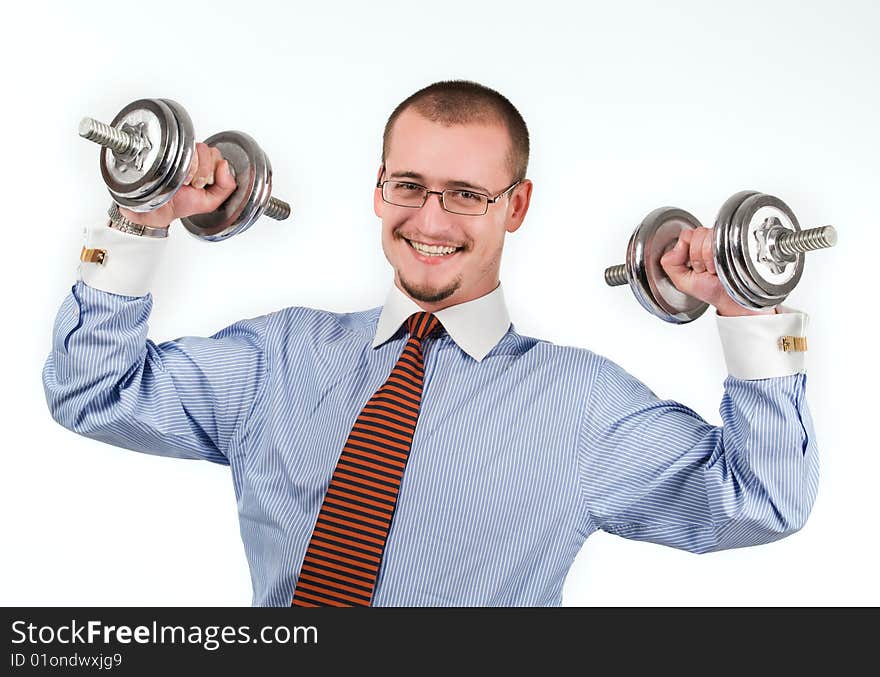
<point x="93" y="255"/>
<point x="793" y="343"/>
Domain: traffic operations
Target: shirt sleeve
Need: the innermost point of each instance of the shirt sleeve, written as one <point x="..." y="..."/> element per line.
<point x="184" y="398"/>
<point x="130" y="261"/>
<point x="751" y="343"/>
<point x="654" y="470"/>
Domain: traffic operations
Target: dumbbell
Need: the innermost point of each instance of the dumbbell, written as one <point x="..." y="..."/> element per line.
<point x="758" y="248"/>
<point x="148" y="150"/>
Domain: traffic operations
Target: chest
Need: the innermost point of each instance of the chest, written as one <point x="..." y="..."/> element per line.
<point x="490" y="438"/>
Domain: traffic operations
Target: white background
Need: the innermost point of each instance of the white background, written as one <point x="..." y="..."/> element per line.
<point x="630" y="105"/>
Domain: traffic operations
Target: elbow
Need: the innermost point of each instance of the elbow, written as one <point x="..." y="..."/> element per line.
<point x="68" y="410"/>
<point x="764" y="518"/>
<point x="81" y="415"/>
<point x="783" y="498"/>
<point x="795" y="516"/>
<point x="75" y="406"/>
<point x="786" y="517"/>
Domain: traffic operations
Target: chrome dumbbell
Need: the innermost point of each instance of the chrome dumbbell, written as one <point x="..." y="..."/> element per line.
<point x="758" y="248"/>
<point x="147" y="153"/>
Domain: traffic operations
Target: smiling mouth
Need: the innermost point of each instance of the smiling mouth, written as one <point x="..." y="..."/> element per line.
<point x="431" y="251"/>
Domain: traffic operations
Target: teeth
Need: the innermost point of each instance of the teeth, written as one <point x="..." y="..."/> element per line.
<point x="430" y="249"/>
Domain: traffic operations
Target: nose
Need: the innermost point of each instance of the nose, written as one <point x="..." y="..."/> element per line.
<point x="439" y="201"/>
<point x="432" y="216"/>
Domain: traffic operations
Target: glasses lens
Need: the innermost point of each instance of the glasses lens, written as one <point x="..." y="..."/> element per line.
<point x="403" y="193"/>
<point x="465" y="202"/>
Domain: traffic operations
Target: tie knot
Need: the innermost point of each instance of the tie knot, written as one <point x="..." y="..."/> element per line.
<point x="422" y="325"/>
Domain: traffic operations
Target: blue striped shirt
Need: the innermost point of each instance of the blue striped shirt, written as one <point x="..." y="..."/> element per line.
<point x="517" y="457"/>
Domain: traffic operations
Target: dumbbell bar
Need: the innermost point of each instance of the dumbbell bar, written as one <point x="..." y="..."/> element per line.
<point x="148" y="151"/>
<point x="758" y="250"/>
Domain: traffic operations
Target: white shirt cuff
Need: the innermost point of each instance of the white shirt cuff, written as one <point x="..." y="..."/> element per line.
<point x="751" y="343"/>
<point x="129" y="264"/>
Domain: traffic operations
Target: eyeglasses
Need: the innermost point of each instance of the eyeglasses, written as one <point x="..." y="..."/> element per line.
<point x="453" y="200"/>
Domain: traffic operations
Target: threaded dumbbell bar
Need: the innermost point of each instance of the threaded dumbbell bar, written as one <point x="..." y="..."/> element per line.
<point x="117" y="140"/>
<point x="758" y="252"/>
<point x="789" y="243"/>
<point x="148" y="153"/>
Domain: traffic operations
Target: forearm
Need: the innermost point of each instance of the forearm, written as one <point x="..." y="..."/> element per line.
<point x="764" y="479"/>
<point x="768" y="429"/>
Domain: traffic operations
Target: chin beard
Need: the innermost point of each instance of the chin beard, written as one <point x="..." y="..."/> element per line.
<point x="429" y="295"/>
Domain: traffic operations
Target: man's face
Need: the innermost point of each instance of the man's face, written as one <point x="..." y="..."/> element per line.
<point x="472" y="156"/>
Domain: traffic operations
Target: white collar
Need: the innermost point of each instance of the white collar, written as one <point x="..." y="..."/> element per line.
<point x="476" y="326"/>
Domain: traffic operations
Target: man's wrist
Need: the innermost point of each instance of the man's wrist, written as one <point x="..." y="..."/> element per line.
<point x="145" y="225"/>
<point x="143" y="219"/>
<point x="736" y="310"/>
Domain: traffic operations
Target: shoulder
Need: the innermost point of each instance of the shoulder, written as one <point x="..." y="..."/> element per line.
<point x="548" y="352"/>
<point x="317" y="323"/>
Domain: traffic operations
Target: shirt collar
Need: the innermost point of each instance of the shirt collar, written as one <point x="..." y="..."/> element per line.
<point x="476" y="326"/>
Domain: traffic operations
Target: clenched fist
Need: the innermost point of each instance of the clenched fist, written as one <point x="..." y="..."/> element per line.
<point x="690" y="266"/>
<point x="207" y="186"/>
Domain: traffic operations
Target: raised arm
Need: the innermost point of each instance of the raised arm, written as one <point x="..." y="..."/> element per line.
<point x="654" y="470"/>
<point x="106" y="380"/>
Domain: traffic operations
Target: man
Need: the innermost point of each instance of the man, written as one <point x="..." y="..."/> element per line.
<point x="423" y="452"/>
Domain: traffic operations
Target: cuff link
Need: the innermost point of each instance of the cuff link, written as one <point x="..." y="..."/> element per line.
<point x="93" y="255"/>
<point x="793" y="344"/>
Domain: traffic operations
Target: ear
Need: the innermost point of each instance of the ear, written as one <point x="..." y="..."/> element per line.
<point x="378" y="202"/>
<point x="519" y="205"/>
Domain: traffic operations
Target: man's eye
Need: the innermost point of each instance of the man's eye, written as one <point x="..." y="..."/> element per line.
<point x="467" y="195"/>
<point x="409" y="186"/>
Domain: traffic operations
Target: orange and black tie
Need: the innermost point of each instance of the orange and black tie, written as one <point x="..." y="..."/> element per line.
<point x="345" y="552"/>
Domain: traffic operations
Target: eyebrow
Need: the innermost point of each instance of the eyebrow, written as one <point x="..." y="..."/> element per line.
<point x="451" y="184"/>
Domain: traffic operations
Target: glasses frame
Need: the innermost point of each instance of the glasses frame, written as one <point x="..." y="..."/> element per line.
<point x="442" y="193"/>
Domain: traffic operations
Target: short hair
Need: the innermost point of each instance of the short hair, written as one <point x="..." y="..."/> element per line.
<point x="458" y="102"/>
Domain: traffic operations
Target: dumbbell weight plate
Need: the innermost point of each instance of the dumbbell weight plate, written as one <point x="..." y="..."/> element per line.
<point x="750" y="215"/>
<point x="186" y="148"/>
<point x="727" y="269"/>
<point x="657" y="234"/>
<point x="253" y="178"/>
<point x="126" y="183"/>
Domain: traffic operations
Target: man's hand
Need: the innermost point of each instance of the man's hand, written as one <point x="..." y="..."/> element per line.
<point x="206" y="187"/>
<point x="690" y="266"/>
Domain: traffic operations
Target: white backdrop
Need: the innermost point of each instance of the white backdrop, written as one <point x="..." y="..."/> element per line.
<point x="630" y="105"/>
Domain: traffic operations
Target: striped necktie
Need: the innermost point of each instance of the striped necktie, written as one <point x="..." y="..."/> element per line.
<point x="348" y="541"/>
